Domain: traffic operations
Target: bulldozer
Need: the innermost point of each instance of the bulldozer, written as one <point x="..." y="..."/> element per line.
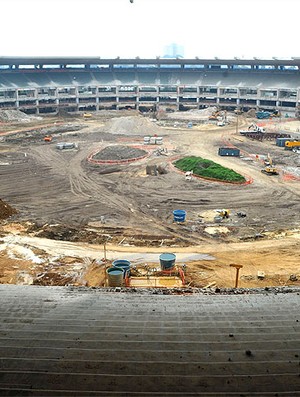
<point x="269" y="167"/>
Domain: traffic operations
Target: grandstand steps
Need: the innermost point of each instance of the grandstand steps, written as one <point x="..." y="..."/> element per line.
<point x="57" y="341"/>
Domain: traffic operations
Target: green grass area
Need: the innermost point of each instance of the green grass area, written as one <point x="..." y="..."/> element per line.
<point x="208" y="169"/>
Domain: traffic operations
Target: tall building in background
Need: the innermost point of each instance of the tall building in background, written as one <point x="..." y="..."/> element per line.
<point x="173" y="51"/>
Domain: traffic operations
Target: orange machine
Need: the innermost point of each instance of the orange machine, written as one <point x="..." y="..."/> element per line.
<point x="48" y="138"/>
<point x="292" y="144"/>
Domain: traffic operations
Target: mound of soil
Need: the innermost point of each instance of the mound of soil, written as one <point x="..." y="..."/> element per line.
<point x="119" y="152"/>
<point x="6" y="210"/>
<point x="132" y="125"/>
<point x="14" y="115"/>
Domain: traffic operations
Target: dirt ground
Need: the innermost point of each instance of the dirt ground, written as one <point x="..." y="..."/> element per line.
<point x="61" y="197"/>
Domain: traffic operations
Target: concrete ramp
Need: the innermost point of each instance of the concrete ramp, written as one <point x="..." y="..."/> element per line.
<point x="57" y="341"/>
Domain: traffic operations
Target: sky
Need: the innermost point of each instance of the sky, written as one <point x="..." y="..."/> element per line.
<point x="118" y="28"/>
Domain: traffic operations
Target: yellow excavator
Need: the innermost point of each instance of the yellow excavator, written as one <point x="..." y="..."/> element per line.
<point x="269" y="167"/>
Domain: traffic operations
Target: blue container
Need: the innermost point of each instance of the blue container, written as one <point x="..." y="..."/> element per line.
<point x="167" y="261"/>
<point x="123" y="264"/>
<point x="115" y="276"/>
<point x="179" y="215"/>
<point x="281" y="141"/>
<point x="228" y="151"/>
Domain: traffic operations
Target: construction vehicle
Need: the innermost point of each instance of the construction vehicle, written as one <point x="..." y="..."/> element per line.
<point x="269" y="167"/>
<point x="253" y="129"/>
<point x="224" y="213"/>
<point x="215" y="115"/>
<point x="87" y="115"/>
<point x="48" y="138"/>
<point x="267" y="115"/>
<point x="220" y="116"/>
<point x="290" y="145"/>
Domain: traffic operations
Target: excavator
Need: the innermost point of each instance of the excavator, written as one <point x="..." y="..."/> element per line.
<point x="253" y="129"/>
<point x="269" y="167"/>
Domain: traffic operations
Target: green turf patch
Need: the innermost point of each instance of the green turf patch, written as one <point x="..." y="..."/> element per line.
<point x="208" y="169"/>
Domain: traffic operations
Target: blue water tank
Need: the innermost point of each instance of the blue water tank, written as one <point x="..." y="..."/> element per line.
<point x="123" y="264"/>
<point x="179" y="215"/>
<point x="167" y="261"/>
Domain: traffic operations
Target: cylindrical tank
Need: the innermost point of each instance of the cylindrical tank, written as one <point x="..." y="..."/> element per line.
<point x="146" y="140"/>
<point x="179" y="215"/>
<point x="69" y="145"/>
<point x="123" y="264"/>
<point x="167" y="261"/>
<point x="115" y="276"/>
<point x="159" y="140"/>
<point x="60" y="145"/>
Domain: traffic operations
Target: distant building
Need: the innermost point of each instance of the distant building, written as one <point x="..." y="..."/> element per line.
<point x="173" y="51"/>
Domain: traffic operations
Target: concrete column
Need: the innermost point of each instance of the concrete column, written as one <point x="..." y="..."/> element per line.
<point x="17" y="99"/>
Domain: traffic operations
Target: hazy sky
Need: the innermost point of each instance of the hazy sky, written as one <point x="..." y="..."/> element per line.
<point x="111" y="28"/>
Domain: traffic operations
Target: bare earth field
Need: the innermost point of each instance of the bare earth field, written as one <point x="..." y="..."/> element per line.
<point x="67" y="207"/>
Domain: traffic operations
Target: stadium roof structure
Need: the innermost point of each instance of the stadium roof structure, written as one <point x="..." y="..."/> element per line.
<point x="144" y="61"/>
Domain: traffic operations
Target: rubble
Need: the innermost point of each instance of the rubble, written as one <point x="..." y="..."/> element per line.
<point x="6" y="210"/>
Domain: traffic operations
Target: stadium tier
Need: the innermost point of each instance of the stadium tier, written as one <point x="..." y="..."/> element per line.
<point x="46" y="85"/>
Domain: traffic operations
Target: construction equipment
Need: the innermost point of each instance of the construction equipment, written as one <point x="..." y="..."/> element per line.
<point x="253" y="129"/>
<point x="215" y="115"/>
<point x="224" y="213"/>
<point x="289" y="145"/>
<point x="220" y="116"/>
<point x="267" y="115"/>
<point x="48" y="138"/>
<point x="269" y="167"/>
<point x="87" y="115"/>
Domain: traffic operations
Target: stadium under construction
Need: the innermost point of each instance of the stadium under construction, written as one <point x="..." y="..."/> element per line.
<point x="45" y="85"/>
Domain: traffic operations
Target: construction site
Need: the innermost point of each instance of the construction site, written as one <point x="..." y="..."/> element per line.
<point x="93" y="198"/>
<point x="105" y="189"/>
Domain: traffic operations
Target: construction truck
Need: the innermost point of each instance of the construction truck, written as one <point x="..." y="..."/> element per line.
<point x="267" y="115"/>
<point x="290" y="145"/>
<point x="269" y="167"/>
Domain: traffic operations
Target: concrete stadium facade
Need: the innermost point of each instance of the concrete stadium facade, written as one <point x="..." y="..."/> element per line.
<point x="46" y="85"/>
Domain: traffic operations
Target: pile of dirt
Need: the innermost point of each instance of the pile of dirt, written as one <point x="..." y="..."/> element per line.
<point x="6" y="210"/>
<point x="58" y="129"/>
<point x="251" y="113"/>
<point x="132" y="125"/>
<point x="193" y="114"/>
<point x="119" y="152"/>
<point x="14" y="115"/>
